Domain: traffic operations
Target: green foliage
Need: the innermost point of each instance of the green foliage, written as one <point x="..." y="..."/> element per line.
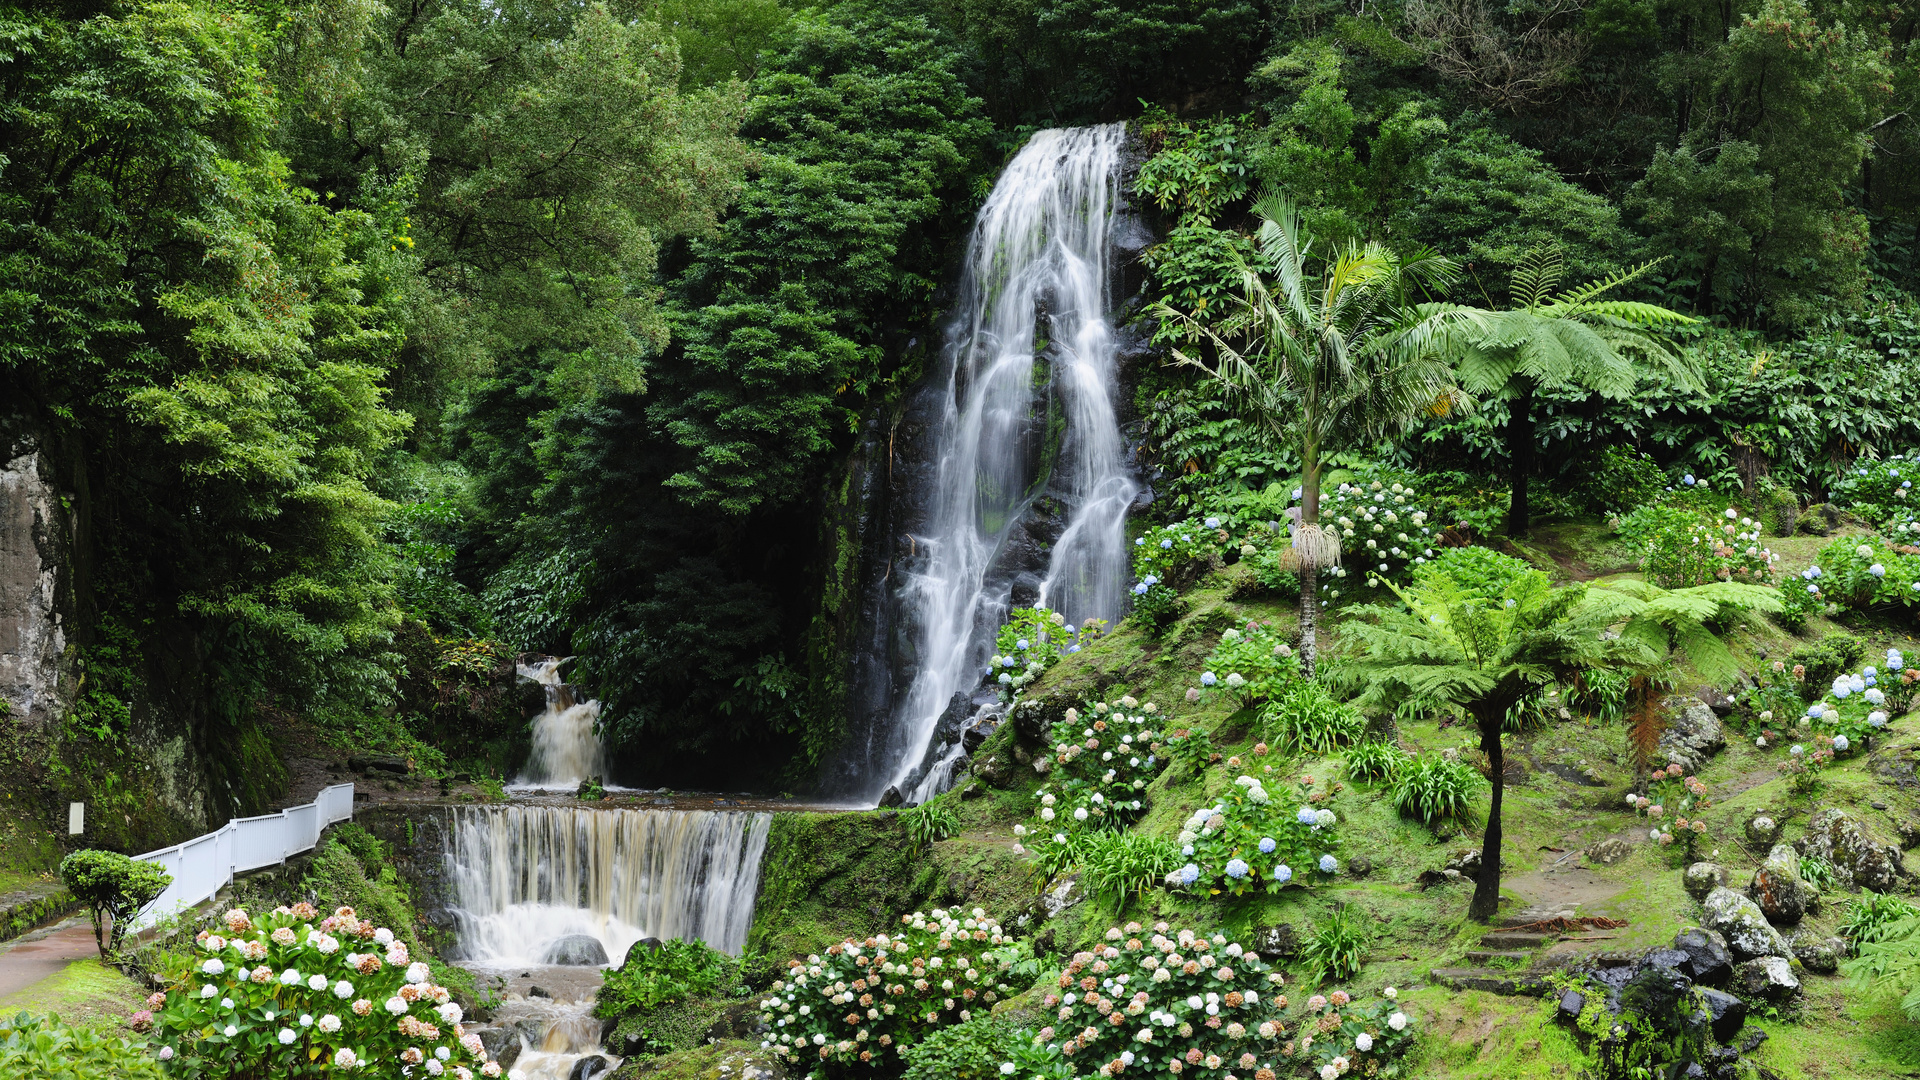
<point x="1248" y="841"/>
<point x="1303" y="718"/>
<point x="1886" y="937"/>
<point x="1620" y="480"/>
<point x="1386" y="529"/>
<point x="1198" y="168"/>
<point x="1478" y="571"/>
<point x="651" y="978"/>
<point x="1818" y="873"/>
<point x="946" y="965"/>
<point x="114" y="888"/>
<point x="1157" y="609"/>
<point x="1859" y="573"/>
<point x="1434" y="788"/>
<point x="42" y="1048"/>
<point x="1873" y="917"/>
<point x="1376" y="760"/>
<point x="1679" y="548"/>
<point x="972" y="1050"/>
<point x="1882" y="492"/>
<point x="932" y="820"/>
<point x="1102" y="764"/>
<point x="1178" y="551"/>
<point x="1254" y="663"/>
<point x="352" y="868"/>
<point x="1338" y="946"/>
<point x="1119" y="865"/>
<point x="1033" y="640"/>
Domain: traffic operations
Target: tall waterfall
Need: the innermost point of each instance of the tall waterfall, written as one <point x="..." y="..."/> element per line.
<point x="526" y="878"/>
<point x="566" y="749"/>
<point x="1027" y="414"/>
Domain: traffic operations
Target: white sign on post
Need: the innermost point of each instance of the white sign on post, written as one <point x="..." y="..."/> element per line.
<point x="76" y="818"/>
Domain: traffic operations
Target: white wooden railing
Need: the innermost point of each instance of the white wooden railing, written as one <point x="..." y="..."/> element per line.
<point x="203" y="866"/>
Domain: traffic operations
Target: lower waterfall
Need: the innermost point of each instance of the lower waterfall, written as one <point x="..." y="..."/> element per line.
<point x="526" y="879"/>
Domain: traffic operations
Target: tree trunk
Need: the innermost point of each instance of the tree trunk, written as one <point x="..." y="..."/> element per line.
<point x="1520" y="451"/>
<point x="1486" y="891"/>
<point x="1309" y="608"/>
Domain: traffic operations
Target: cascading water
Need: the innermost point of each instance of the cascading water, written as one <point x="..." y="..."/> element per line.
<point x="1035" y="291"/>
<point x="527" y="880"/>
<point x="555" y="893"/>
<point x="566" y="750"/>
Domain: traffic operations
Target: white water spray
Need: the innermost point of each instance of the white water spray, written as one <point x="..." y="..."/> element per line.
<point x="524" y="879"/>
<point x="1036" y="263"/>
<point x="566" y="749"/>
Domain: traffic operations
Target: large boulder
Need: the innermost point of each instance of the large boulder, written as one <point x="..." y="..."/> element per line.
<point x="576" y="950"/>
<point x="1740" y="921"/>
<point x="1818" y="954"/>
<point x="1708" y="961"/>
<point x="1777" y="887"/>
<point x="1693" y="734"/>
<point x="1766" y="979"/>
<point x="1856" y="860"/>
<point x="1702" y="878"/>
<point x="1725" y="1013"/>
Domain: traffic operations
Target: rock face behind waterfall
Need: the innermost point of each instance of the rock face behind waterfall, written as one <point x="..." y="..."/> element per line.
<point x="996" y="522"/>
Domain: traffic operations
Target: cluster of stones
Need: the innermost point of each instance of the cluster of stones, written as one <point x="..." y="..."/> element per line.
<point x="1697" y="984"/>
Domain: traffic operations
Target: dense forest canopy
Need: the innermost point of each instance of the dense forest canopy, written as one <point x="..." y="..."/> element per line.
<point x="554" y="323"/>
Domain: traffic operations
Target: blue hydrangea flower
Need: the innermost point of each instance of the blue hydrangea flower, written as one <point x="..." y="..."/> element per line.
<point x="1813" y="572"/>
<point x="1189" y="874"/>
<point x="1140" y="589"/>
<point x="1687" y="480"/>
<point x="1150" y="579"/>
<point x="1006" y="679"/>
<point x="1213" y="523"/>
<point x="1842" y="690"/>
<point x="1139" y="541"/>
<point x="1839" y="744"/>
<point x="1267" y="844"/>
<point x="1166" y="545"/>
<point x="1305" y="816"/>
<point x="1236" y="868"/>
<point x="1023" y="643"/>
<point x="1813" y="712"/>
<point x="1073" y="648"/>
<point x="1282" y="874"/>
<point x="1006" y="661"/>
<point x="1208" y="679"/>
<point x="1329" y="864"/>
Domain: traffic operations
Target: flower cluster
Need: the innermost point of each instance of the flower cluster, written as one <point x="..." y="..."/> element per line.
<point x="1205" y="1007"/>
<point x="1858" y="705"/>
<point x="1680" y="549"/>
<point x="1875" y="572"/>
<point x="864" y="998"/>
<point x="1102" y="762"/>
<point x="1803" y="769"/>
<point x="1033" y="640"/>
<point x="1165" y="551"/>
<point x="273" y="995"/>
<point x="1384" y="532"/>
<point x="1253" y="663"/>
<point x="1249" y="840"/>
<point x="1882" y="492"/>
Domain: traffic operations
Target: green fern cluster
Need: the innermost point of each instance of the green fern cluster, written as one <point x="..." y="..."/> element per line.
<point x="930" y="821"/>
<point x="1375" y="760"/>
<point x="1338" y="946"/>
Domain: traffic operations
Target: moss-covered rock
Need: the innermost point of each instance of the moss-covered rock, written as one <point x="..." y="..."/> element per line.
<point x="726" y="1060"/>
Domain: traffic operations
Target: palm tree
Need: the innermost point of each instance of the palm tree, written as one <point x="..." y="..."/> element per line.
<point x="1550" y="341"/>
<point x="1484" y="655"/>
<point x="1332" y="352"/>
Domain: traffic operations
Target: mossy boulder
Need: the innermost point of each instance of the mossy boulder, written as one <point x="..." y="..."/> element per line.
<point x="725" y="1060"/>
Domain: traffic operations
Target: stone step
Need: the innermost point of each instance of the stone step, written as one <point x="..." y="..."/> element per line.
<point x="1488" y="956"/>
<point x="1512" y="983"/>
<point x="1529" y="916"/>
<point x="1517" y="939"/>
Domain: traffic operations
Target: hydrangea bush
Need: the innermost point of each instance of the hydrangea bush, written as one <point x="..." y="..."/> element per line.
<point x="1248" y="840"/>
<point x="1175" y="550"/>
<point x="293" y="994"/>
<point x="1102" y="762"/>
<point x="1859" y="574"/>
<point x="1033" y="640"/>
<point x="1857" y="706"/>
<point x="1883" y="493"/>
<point x="1680" y="548"/>
<point x="1254" y="663"/>
<point x="864" y="999"/>
<point x="1179" y="1003"/>
<point x="1384" y="533"/>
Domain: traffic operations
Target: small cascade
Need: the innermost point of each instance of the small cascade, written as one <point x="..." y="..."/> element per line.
<point x="566" y="749"/>
<point x="535" y="885"/>
<point x="1026" y="480"/>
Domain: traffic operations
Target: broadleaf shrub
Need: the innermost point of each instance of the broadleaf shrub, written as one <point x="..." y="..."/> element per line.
<point x="1883" y="493"/>
<point x="114" y="887"/>
<point x="1303" y="717"/>
<point x="1248" y="840"/>
<point x="1478" y="571"/>
<point x="1033" y="640"/>
<point x="652" y="977"/>
<point x="1867" y="572"/>
<point x="1102" y="762"/>
<point x="1202" y="1006"/>
<point x="310" y="1003"/>
<point x="866" y="998"/>
<point x="43" y="1048"/>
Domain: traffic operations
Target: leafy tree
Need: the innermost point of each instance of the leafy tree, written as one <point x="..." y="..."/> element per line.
<point x="1332" y="353"/>
<point x="1484" y="656"/>
<point x="114" y="887"/>
<point x="1570" y="338"/>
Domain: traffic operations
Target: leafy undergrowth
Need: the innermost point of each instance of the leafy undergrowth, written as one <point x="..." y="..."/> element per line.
<point x="1551" y="818"/>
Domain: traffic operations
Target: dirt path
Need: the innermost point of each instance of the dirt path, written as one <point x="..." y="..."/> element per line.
<point x="41" y="954"/>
